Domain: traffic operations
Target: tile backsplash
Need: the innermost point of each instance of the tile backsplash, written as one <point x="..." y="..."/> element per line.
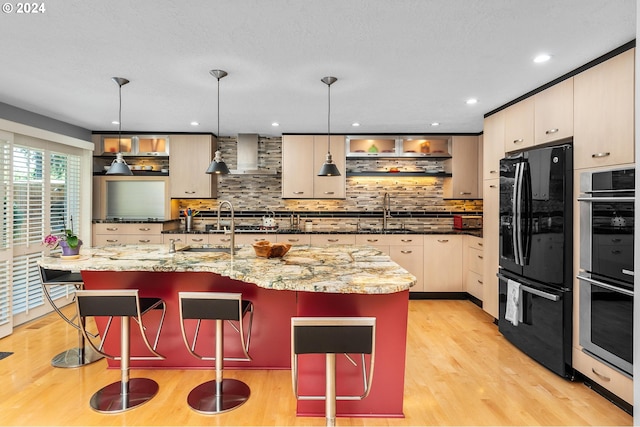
<point x="364" y="193"/>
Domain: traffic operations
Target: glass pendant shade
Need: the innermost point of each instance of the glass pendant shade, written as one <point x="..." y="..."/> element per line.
<point x="328" y="167"/>
<point x="119" y="166"/>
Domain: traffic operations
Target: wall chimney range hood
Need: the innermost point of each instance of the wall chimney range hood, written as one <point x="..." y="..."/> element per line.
<point x="247" y="155"/>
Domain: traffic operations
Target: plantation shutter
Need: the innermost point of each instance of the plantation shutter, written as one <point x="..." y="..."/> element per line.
<point x="6" y="319"/>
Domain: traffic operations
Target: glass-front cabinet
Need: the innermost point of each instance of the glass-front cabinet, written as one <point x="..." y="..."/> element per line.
<point x="131" y="145"/>
<point x="405" y="146"/>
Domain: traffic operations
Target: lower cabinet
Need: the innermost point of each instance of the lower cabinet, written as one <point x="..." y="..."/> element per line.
<point x="609" y="378"/>
<point x="443" y="263"/>
<point x="126" y="234"/>
<point x="473" y="258"/>
<point x="294" y="239"/>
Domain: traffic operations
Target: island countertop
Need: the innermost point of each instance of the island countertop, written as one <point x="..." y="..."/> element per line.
<point x="332" y="269"/>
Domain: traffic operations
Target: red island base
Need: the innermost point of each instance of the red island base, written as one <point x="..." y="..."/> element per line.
<point x="271" y="335"/>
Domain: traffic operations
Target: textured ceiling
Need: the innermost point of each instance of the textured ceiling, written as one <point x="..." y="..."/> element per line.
<point x="401" y="64"/>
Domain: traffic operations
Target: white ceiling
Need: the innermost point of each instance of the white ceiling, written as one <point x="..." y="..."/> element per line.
<point x="401" y="64"/>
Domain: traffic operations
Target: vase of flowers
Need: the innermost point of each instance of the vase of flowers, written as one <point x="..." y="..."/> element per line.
<point x="68" y="242"/>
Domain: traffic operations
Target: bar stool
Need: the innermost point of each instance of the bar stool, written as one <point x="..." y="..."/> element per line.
<point x="329" y="336"/>
<point x="222" y="394"/>
<point x="126" y="304"/>
<point x="81" y="355"/>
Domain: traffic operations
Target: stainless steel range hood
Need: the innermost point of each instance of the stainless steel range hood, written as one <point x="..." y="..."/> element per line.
<point x="247" y="162"/>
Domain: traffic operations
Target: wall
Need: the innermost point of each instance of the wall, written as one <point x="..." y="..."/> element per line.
<point x="25" y="117"/>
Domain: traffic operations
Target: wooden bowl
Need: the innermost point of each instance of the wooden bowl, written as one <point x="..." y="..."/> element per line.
<point x="267" y="249"/>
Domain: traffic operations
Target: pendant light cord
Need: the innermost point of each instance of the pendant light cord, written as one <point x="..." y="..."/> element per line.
<point x="120" y="117"/>
<point x="329" y="121"/>
<point x="218" y="135"/>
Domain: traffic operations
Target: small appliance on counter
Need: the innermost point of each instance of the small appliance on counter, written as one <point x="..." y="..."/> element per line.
<point x="467" y="222"/>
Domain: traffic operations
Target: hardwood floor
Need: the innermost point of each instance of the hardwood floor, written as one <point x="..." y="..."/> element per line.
<point x="460" y="371"/>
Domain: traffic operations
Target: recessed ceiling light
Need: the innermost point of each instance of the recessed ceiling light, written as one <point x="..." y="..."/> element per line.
<point x="543" y="57"/>
<point x="115" y="122"/>
<point x="275" y="124"/>
<point x="472" y="101"/>
<point x="195" y="124"/>
<point x="435" y="124"/>
<point x="355" y="124"/>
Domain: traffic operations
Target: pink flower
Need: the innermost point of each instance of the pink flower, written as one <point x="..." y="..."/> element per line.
<point x="51" y="241"/>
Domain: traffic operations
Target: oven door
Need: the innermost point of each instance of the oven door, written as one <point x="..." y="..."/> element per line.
<point x="606" y="322"/>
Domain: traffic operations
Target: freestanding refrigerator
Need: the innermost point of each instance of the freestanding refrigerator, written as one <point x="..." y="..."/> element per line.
<point x="536" y="255"/>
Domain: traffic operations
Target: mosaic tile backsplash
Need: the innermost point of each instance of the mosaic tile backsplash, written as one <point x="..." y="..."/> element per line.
<point x="410" y="196"/>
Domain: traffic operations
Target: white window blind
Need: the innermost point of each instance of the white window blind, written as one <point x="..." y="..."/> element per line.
<point x="5" y="224"/>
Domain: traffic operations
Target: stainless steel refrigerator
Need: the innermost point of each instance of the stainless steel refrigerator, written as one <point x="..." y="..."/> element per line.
<point x="536" y="255"/>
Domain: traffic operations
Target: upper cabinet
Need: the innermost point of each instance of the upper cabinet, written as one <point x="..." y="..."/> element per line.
<point x="554" y="112"/>
<point x="518" y="128"/>
<point x="493" y="145"/>
<point x="131" y="145"/>
<point x="302" y="158"/>
<point x="604" y="113"/>
<point x="189" y="160"/>
<point x="464" y="168"/>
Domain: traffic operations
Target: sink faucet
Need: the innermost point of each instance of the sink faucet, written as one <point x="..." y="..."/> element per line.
<point x="386" y="210"/>
<point x="172" y="245"/>
<point x="233" y="227"/>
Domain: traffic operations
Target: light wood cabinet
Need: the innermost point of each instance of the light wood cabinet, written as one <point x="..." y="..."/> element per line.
<point x="189" y="160"/>
<point x="604" y="113"/>
<point x="607" y="377"/>
<point x="490" y="253"/>
<point x="464" y="164"/>
<point x="443" y="263"/>
<point x="302" y="158"/>
<point x="473" y="266"/>
<point x="493" y="145"/>
<point x="251" y="238"/>
<point x="294" y="239"/>
<point x="554" y="112"/>
<point x="105" y="234"/>
<point x="333" y="239"/>
<point x="407" y="250"/>
<point x="518" y="130"/>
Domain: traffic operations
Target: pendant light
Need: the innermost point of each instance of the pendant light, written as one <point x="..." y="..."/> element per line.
<point x="329" y="168"/>
<point x="119" y="166"/>
<point x="218" y="166"/>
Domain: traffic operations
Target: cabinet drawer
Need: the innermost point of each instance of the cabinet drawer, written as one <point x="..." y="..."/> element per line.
<point x="475" y="242"/>
<point x="251" y="238"/>
<point x="127" y="239"/>
<point x="389" y="239"/>
<point x="612" y="380"/>
<point x="294" y="239"/>
<point x="333" y="239"/>
<point x="475" y="261"/>
<point x="127" y="228"/>
<point x="474" y="284"/>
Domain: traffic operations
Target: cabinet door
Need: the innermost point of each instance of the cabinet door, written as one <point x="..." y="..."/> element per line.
<point x="411" y="258"/>
<point x="493" y="145"/>
<point x="329" y="187"/>
<point x="554" y="112"/>
<point x="297" y="166"/>
<point x="443" y="263"/>
<point x="490" y="229"/>
<point x="251" y="238"/>
<point x="518" y="125"/>
<point x="464" y="168"/>
<point x="189" y="160"/>
<point x="294" y="239"/>
<point x="333" y="239"/>
<point x="604" y="113"/>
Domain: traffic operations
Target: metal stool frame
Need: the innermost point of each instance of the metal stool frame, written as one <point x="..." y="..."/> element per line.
<point x="129" y="392"/>
<point x="330" y="336"/>
<point x="80" y="355"/>
<point x="222" y="394"/>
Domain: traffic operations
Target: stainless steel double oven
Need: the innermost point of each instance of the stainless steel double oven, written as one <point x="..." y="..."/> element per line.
<point x="606" y="266"/>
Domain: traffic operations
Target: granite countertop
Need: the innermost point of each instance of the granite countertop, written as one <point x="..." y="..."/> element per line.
<point x="331" y="269"/>
<point x="472" y="232"/>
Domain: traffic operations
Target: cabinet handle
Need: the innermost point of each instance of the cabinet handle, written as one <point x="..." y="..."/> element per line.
<point x="480" y="256"/>
<point x="443" y="240"/>
<point x="517" y="141"/>
<point x="197" y="240"/>
<point x="189" y="192"/>
<point x="406" y="240"/>
<point x="112" y="229"/>
<point x="329" y="192"/>
<point x="480" y="281"/>
<point x="493" y="171"/>
<point x="298" y="192"/>
<point x="465" y="193"/>
<point x="225" y="240"/>
<point x="257" y="239"/>
<point x="550" y="131"/>
<point x="493" y="186"/>
<point x="144" y="240"/>
<point x="333" y="240"/>
<point x="293" y="240"/>
<point x="598" y="155"/>
<point x="112" y="240"/>
<point x="480" y="244"/>
<point x="601" y="376"/>
<point x="144" y="229"/>
<point x="406" y="252"/>
<point x="372" y="240"/>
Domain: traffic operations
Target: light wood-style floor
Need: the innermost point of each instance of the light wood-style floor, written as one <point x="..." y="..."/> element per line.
<point x="460" y="371"/>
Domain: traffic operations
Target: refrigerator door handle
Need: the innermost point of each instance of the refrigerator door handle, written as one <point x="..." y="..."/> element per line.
<point x="518" y="232"/>
<point x="538" y="292"/>
<point x="515" y="219"/>
<point x="528" y="204"/>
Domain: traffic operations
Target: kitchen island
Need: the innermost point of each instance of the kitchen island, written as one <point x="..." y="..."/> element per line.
<point x="307" y="281"/>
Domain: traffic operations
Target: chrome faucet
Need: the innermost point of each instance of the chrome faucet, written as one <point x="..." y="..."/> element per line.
<point x="172" y="245"/>
<point x="233" y="227"/>
<point x="386" y="210"/>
